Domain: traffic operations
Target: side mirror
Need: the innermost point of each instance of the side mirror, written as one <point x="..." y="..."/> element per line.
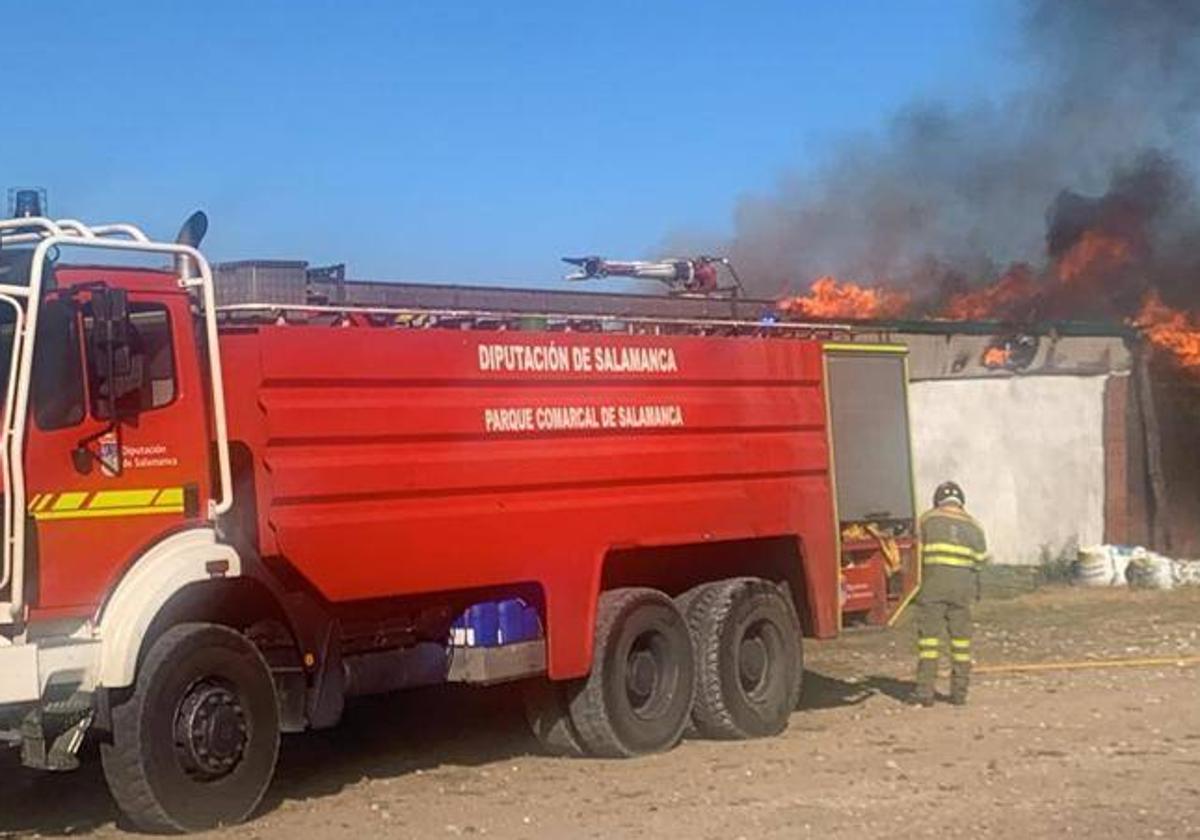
<point x="110" y="328"/>
<point x="116" y="370"/>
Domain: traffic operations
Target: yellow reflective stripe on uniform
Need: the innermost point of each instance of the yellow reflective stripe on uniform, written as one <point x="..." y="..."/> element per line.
<point x="107" y="503"/>
<point x="960" y="657"/>
<point x="929" y="641"/>
<point x="960" y="643"/>
<point x="951" y="548"/>
<point x="927" y="654"/>
<point x="943" y="560"/>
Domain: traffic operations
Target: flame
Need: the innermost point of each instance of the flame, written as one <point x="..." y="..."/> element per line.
<point x="996" y="356"/>
<point x="1093" y="252"/>
<point x="1093" y="256"/>
<point x="1020" y="293"/>
<point x="1171" y="330"/>
<point x="829" y="297"/>
<point x="1014" y="288"/>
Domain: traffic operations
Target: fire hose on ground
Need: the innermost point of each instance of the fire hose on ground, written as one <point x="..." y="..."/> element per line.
<point x="1087" y="664"/>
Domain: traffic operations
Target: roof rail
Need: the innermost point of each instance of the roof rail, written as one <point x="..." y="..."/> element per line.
<point x="19" y="230"/>
<point x="419" y="317"/>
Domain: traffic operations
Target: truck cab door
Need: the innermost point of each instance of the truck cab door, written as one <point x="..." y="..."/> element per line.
<point x="116" y="454"/>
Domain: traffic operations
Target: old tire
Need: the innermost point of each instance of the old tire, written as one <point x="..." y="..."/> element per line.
<point x="194" y="746"/>
<point x="550" y="718"/>
<point x="749" y="658"/>
<point x="637" y="697"/>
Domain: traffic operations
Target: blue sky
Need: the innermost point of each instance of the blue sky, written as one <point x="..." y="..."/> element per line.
<point x="461" y="142"/>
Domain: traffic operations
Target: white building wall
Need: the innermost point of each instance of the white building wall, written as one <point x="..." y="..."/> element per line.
<point x="1028" y="452"/>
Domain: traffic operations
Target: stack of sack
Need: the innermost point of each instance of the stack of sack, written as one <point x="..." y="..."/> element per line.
<point x="1150" y="570"/>
<point x="1101" y="565"/>
<point x="1118" y="565"/>
<point x="1186" y="572"/>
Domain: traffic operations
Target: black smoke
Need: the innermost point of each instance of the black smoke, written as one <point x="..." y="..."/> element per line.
<point x="1106" y="132"/>
<point x="1149" y="207"/>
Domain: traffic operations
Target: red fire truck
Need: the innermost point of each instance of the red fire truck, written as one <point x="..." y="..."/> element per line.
<point x="222" y="522"/>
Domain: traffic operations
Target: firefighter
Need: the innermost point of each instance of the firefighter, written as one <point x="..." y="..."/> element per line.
<point x="953" y="547"/>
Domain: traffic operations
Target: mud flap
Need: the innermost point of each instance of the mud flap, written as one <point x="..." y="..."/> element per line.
<point x="66" y="723"/>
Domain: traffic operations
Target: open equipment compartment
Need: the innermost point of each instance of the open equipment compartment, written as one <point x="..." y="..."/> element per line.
<point x="871" y="444"/>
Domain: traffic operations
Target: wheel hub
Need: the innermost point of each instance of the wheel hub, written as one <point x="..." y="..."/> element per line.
<point x="210" y="730"/>
<point x="642" y="676"/>
<point x="752" y="662"/>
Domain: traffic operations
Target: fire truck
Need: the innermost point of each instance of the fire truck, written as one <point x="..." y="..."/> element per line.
<point x="221" y="522"/>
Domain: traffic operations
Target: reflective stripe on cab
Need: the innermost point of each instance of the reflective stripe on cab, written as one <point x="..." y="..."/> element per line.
<point x="102" y="503"/>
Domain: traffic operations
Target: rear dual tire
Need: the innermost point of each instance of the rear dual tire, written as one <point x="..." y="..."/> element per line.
<point x="638" y="696"/>
<point x="724" y="659"/>
<point x="549" y="717"/>
<point x="749" y="660"/>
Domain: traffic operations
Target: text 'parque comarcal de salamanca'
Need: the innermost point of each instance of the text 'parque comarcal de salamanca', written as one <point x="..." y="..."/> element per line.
<point x="555" y="358"/>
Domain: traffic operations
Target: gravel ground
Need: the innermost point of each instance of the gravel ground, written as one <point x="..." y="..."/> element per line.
<point x="1104" y="753"/>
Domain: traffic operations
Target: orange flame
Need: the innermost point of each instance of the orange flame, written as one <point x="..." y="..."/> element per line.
<point x="996" y="356"/>
<point x="1091" y="260"/>
<point x="1171" y="331"/>
<point x="829" y="297"/>
<point x="1093" y="252"/>
<point x="1015" y="287"/>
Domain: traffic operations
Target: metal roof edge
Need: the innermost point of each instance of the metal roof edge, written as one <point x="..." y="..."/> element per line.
<point x="1096" y="329"/>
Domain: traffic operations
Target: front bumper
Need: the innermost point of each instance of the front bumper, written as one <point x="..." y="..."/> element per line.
<point x="19" y="682"/>
<point x="46" y="704"/>
<point x="46" y="669"/>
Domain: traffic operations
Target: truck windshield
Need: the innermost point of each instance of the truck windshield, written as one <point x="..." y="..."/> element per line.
<point x="14" y="266"/>
<point x="14" y="271"/>
<point x="8" y="324"/>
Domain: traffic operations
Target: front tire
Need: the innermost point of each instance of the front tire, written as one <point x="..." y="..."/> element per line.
<point x="194" y="746"/>
<point x="637" y="698"/>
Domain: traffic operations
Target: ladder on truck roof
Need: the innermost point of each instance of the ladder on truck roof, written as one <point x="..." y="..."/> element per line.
<point x="419" y="305"/>
<point x="415" y="317"/>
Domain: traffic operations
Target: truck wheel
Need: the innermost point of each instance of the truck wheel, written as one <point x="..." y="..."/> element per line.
<point x="683" y="603"/>
<point x="637" y="697"/>
<point x="749" y="659"/>
<point x="194" y="746"/>
<point x="550" y="718"/>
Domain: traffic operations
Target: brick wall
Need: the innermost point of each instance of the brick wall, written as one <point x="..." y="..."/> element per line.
<point x="1177" y="399"/>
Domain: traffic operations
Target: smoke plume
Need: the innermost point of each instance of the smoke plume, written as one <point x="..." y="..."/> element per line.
<point x="1083" y="177"/>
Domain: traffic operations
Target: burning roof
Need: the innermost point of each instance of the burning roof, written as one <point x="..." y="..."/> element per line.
<point x="1073" y="197"/>
<point x="1171" y="331"/>
<point x="1102" y="264"/>
<point x="830" y="298"/>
